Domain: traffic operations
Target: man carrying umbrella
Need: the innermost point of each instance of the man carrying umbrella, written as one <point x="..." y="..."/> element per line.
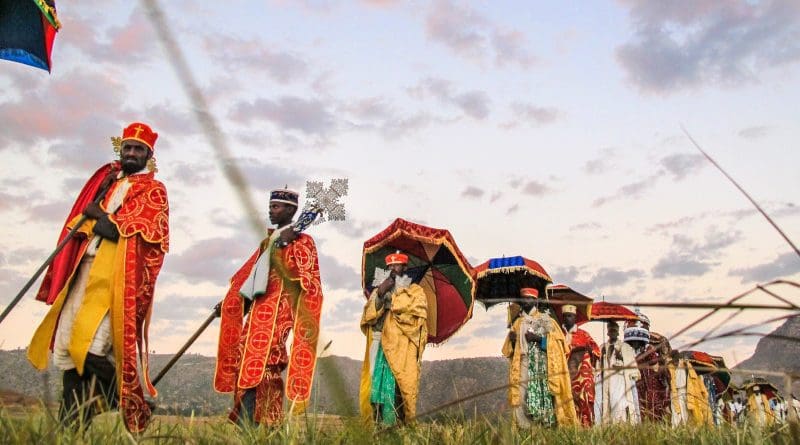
<point x="276" y="291"/>
<point x="583" y="354"/>
<point x="540" y="389"/>
<point x="101" y="287"/>
<point x="395" y="323"/>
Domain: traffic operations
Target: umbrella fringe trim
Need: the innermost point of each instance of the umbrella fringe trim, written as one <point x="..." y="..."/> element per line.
<point x="459" y="256"/>
<point x="512" y="269"/>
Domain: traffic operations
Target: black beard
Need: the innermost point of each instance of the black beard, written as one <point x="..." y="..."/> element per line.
<point x="130" y="167"/>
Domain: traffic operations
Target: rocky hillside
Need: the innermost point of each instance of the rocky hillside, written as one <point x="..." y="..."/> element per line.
<point x="777" y="352"/>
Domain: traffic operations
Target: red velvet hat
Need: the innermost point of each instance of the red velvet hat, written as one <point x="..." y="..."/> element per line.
<point x="396" y="258"/>
<point x="140" y="132"/>
<point x="529" y="292"/>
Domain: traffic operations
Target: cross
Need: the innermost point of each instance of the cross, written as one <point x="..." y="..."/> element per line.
<point x="138" y="129"/>
<point x="322" y="202"/>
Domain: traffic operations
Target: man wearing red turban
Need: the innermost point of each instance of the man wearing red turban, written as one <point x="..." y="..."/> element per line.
<point x="101" y="286"/>
<point x="395" y="323"/>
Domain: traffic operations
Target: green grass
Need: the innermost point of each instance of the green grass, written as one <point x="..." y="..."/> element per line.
<point x="38" y="426"/>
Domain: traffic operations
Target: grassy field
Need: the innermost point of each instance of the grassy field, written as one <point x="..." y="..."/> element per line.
<point x="31" y="426"/>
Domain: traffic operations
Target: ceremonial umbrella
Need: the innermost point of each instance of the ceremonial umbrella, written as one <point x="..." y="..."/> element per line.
<point x="561" y="294"/>
<point x="659" y="341"/>
<point x="435" y="263"/>
<point x="764" y="386"/>
<point x="27" y="31"/>
<point x="702" y="362"/>
<point x="603" y="311"/>
<point x="500" y="279"/>
<point x="722" y="376"/>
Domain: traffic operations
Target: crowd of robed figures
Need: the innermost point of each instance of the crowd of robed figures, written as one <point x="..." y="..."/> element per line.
<point x="558" y="375"/>
<point x="100" y="291"/>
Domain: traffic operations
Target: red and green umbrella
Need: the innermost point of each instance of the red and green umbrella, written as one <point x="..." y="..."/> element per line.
<point x="435" y="263"/>
<point x="27" y="31"/>
<point x="722" y="376"/>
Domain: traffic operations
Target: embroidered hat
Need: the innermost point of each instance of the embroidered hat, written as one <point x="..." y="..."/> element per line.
<point x="643" y="321"/>
<point x="285" y="196"/>
<point x="637" y="333"/>
<point x="569" y="309"/>
<point x="140" y="132"/>
<point x="638" y="330"/>
<point x="396" y="258"/>
<point x="529" y="292"/>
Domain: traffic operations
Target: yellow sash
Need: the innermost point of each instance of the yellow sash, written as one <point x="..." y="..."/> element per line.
<point x="96" y="303"/>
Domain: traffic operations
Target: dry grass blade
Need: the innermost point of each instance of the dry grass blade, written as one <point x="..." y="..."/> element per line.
<point x="747" y="195"/>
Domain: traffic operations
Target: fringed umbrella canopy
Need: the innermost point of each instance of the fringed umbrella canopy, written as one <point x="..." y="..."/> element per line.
<point x="764" y="386"/>
<point x="435" y="263"/>
<point x="500" y="279"/>
<point x="603" y="311"/>
<point x="560" y="294"/>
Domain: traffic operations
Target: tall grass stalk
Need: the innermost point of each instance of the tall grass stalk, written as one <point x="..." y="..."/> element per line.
<point x="37" y="426"/>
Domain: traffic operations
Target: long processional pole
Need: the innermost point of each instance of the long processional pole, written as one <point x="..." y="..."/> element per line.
<point x="98" y="198"/>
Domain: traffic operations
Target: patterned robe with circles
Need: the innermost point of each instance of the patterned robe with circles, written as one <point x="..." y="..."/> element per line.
<point x="252" y="353"/>
<point x="143" y="224"/>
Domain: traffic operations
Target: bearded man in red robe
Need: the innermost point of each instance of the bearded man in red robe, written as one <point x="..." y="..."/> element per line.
<point x="101" y="286"/>
<point x="582" y="354"/>
<point x="276" y="291"/>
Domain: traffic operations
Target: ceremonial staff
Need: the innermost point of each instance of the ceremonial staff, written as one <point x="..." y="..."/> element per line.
<point x="97" y="200"/>
<point x="214" y="314"/>
<point x="321" y="204"/>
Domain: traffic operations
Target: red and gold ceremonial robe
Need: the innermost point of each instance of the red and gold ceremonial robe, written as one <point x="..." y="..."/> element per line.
<point x="252" y="352"/>
<point x="588" y="353"/>
<point x="130" y="266"/>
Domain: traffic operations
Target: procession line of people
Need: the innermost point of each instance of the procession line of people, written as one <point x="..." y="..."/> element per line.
<point x="100" y="288"/>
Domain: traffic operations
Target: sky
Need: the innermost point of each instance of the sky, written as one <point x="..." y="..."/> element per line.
<point x="550" y="130"/>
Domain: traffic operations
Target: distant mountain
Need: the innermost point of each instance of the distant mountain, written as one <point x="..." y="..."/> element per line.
<point x="777" y="352"/>
<point x="187" y="387"/>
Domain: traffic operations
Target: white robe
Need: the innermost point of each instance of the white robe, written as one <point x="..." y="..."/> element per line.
<point x="681" y="381"/>
<point x="616" y="398"/>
